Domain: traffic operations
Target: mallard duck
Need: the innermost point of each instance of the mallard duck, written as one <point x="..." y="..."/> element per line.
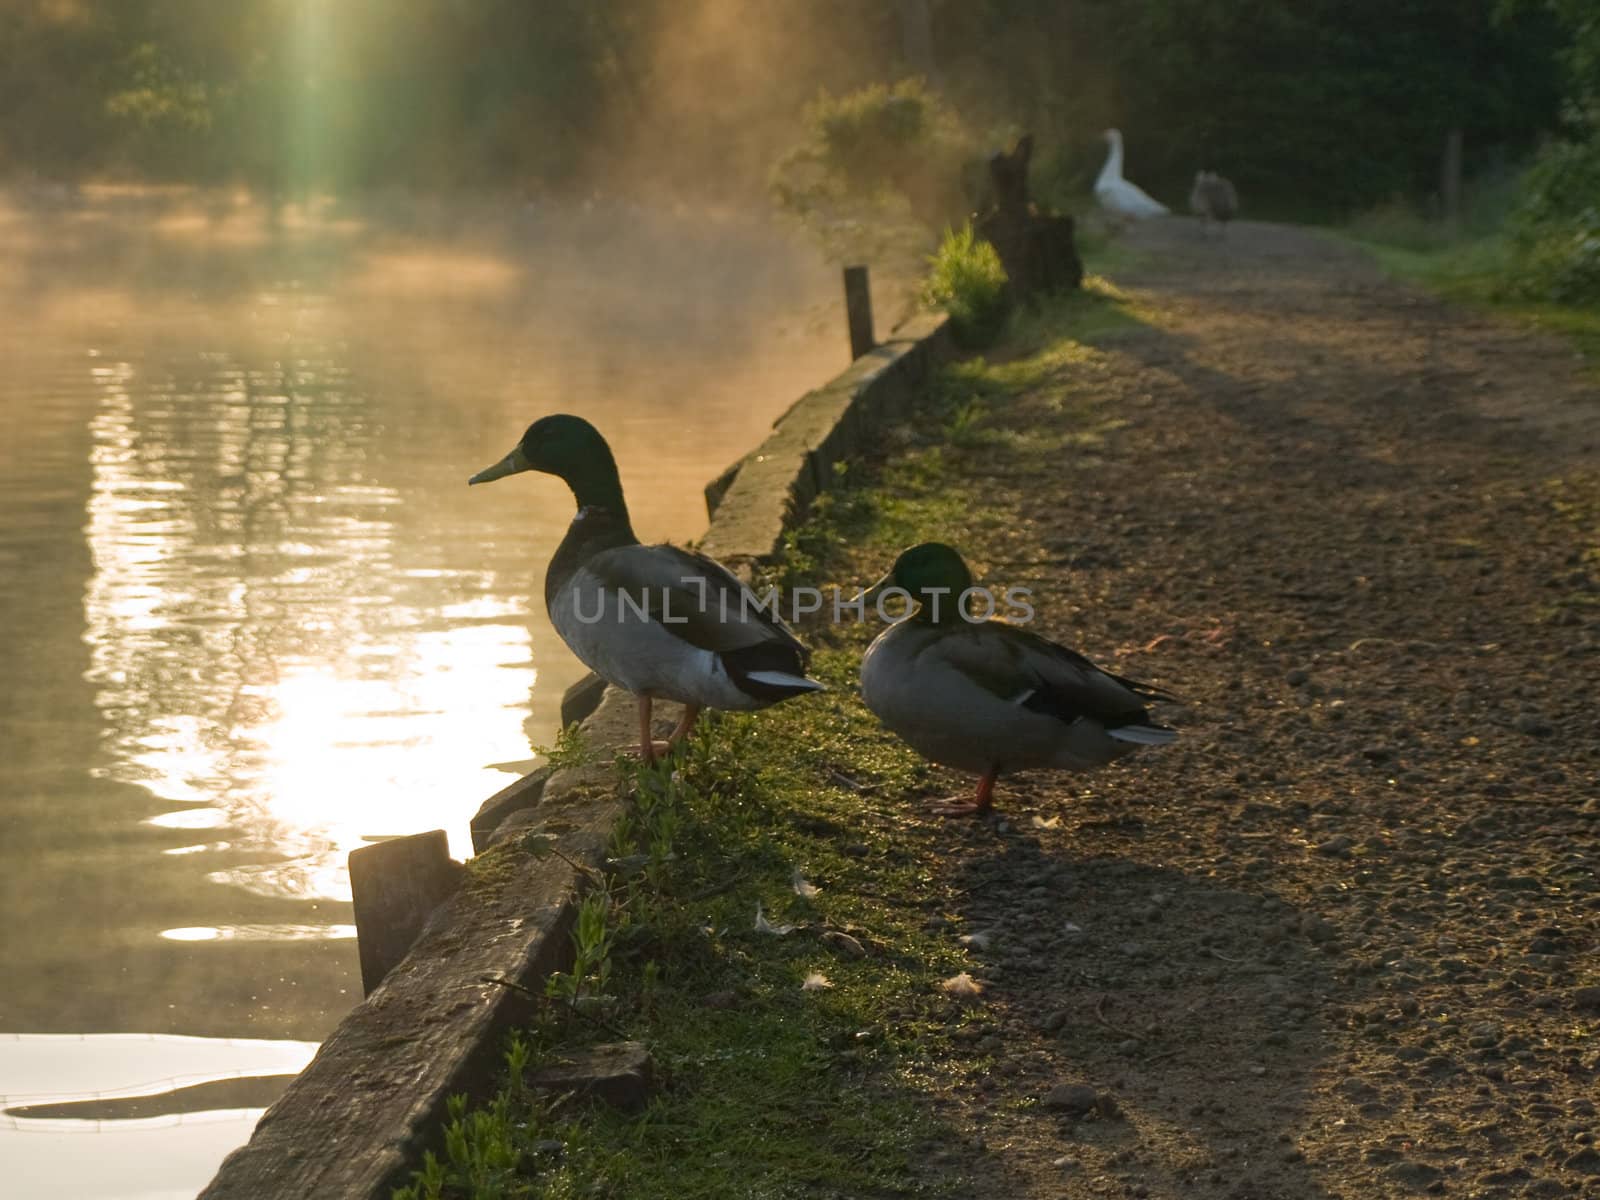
<point x="658" y="621"/>
<point x="987" y="697"/>
<point x="1123" y="200"/>
<point x="1213" y="198"/>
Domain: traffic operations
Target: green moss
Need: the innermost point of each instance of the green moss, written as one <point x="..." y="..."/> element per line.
<point x="492" y="869"/>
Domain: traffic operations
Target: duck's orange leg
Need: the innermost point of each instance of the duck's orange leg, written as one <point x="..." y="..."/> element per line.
<point x="649" y="748"/>
<point x="685" y="723"/>
<point x="980" y="805"/>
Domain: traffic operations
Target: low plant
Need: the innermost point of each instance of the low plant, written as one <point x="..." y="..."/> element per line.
<point x="592" y="939"/>
<point x="571" y="749"/>
<point x="967" y="280"/>
<point x="482" y="1153"/>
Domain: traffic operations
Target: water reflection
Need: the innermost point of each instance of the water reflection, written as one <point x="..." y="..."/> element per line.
<point x="260" y="645"/>
<point x="251" y="614"/>
<point x="162" y="1111"/>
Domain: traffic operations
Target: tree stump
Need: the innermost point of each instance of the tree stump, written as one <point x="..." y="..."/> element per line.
<point x="1037" y="249"/>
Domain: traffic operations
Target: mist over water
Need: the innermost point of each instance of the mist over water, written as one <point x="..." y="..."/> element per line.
<point x="252" y="616"/>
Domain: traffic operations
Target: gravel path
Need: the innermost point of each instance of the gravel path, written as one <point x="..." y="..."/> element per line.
<point x="1339" y="942"/>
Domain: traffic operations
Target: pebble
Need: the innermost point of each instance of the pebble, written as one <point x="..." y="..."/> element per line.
<point x="1532" y="724"/>
<point x="1072" y="1097"/>
<point x="1337" y="846"/>
<point x="1297" y="677"/>
<point x="1585" y="1161"/>
<point x="1357" y="1091"/>
<point x="1585" y="998"/>
<point x="1546" y="1189"/>
<point x="1414" y="1174"/>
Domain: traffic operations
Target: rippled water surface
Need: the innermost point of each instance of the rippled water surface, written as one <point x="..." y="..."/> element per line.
<point x="251" y="616"/>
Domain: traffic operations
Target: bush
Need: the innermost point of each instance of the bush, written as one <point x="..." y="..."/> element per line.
<point x="968" y="282"/>
<point x="879" y="172"/>
<point x="1556" y="227"/>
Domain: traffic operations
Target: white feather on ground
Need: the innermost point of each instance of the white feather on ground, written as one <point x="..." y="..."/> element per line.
<point x="962" y="987"/>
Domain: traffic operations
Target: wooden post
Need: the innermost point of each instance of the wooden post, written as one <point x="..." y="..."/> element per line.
<point x="395" y="885"/>
<point x="916" y="39"/>
<point x="1450" y="179"/>
<point x="858" y="310"/>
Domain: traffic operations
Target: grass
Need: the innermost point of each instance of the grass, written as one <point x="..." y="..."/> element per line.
<point x="1474" y="272"/>
<point x="772" y="1089"/>
<point x="1472" y="264"/>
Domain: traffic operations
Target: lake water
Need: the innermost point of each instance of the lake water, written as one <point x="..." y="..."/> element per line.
<point x="251" y="615"/>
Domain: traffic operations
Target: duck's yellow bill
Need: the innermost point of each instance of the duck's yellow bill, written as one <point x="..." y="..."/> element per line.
<point x="871" y="594"/>
<point x="509" y="465"/>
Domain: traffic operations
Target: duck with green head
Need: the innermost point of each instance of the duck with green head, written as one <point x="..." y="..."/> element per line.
<point x="657" y="621"/>
<point x="989" y="697"/>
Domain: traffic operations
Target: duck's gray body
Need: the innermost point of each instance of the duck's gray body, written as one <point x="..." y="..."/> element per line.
<point x="990" y="697"/>
<point x="666" y="623"/>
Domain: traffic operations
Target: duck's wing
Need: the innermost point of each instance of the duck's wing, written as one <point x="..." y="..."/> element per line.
<point x="1045" y="677"/>
<point x="698" y="600"/>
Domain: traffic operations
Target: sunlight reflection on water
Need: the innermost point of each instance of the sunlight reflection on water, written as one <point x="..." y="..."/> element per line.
<point x="303" y="702"/>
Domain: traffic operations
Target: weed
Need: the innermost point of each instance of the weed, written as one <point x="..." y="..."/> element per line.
<point x="592" y="938"/>
<point x="571" y="749"/>
<point x="967" y="281"/>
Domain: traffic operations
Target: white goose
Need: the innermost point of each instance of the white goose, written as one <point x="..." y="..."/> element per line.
<point x="1123" y="200"/>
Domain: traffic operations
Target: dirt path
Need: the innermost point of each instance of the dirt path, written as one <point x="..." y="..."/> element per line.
<point x="1340" y="942"/>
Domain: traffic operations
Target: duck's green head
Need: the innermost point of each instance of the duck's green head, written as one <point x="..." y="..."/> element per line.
<point x="933" y="574"/>
<point x="570" y="448"/>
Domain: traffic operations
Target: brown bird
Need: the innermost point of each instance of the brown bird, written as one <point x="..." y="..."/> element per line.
<point x="1213" y="198"/>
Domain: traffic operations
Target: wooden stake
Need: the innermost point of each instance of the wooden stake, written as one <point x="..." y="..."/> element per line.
<point x="916" y="39"/>
<point x="1450" y="178"/>
<point x="858" y="310"/>
<point x="395" y="886"/>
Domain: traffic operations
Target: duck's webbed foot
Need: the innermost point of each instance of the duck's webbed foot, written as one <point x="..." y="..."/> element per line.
<point x="657" y="750"/>
<point x="981" y="804"/>
<point x="958" y="808"/>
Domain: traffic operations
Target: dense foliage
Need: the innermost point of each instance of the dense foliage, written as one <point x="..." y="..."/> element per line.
<point x="1555" y="229"/>
<point x="875" y="170"/>
<point x="1313" y="108"/>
